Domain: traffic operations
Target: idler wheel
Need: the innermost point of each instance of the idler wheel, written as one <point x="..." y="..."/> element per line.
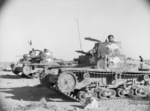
<point x="81" y="95"/>
<point x="120" y="92"/>
<point x="27" y="70"/>
<point x="113" y="93"/>
<point x="140" y="92"/>
<point x="66" y="82"/>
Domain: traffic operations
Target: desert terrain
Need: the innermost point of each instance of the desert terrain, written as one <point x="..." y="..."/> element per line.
<point x="22" y="94"/>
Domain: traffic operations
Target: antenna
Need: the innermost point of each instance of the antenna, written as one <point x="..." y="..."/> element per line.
<point x="79" y="34"/>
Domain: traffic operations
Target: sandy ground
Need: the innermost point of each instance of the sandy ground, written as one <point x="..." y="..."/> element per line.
<point x="21" y="94"/>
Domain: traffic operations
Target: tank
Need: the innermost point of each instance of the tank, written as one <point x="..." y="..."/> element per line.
<point x="103" y="72"/>
<point x="31" y="66"/>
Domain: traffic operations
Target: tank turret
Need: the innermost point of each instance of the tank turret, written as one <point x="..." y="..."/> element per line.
<point x="104" y="56"/>
<point x="108" y="56"/>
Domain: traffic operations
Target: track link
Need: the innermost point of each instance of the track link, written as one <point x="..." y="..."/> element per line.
<point x="96" y="74"/>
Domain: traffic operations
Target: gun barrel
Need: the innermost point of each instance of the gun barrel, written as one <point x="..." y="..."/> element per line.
<point x="82" y="52"/>
<point x="92" y="39"/>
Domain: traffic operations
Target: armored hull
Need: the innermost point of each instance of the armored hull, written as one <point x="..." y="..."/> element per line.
<point x="79" y="83"/>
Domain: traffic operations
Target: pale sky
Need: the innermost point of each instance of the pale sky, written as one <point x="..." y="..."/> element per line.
<point x="52" y="24"/>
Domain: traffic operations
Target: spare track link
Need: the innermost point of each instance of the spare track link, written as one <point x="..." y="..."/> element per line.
<point x="97" y="74"/>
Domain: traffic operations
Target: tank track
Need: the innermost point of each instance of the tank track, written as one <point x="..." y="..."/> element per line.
<point x="93" y="74"/>
<point x="70" y="96"/>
